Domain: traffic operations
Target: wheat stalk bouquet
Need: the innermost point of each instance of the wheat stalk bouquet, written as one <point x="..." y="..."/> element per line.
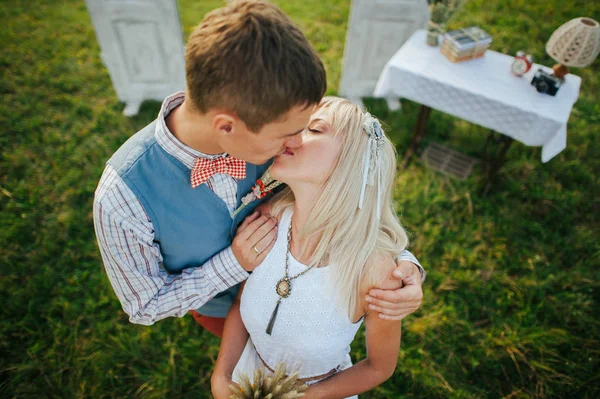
<point x="269" y="386"/>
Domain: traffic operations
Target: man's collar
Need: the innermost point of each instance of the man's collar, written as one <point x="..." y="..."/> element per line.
<point x="168" y="141"/>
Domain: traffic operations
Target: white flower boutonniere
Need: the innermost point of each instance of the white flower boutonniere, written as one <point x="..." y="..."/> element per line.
<point x="263" y="186"/>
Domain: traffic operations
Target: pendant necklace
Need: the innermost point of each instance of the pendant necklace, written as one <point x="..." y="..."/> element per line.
<point x="284" y="285"/>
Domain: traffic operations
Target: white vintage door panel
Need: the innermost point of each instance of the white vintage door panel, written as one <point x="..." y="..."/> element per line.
<point x="376" y="30"/>
<point x="141" y="46"/>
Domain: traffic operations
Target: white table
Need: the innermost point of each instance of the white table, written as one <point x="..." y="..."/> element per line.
<point x="482" y="91"/>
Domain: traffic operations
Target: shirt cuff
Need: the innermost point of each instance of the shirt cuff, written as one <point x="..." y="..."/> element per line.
<point x="406" y="255"/>
<point x="224" y="270"/>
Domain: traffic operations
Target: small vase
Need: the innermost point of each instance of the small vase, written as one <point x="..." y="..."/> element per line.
<point x="433" y="31"/>
<point x="432" y="37"/>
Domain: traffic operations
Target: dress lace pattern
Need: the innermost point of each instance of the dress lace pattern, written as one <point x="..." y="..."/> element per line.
<point x="312" y="334"/>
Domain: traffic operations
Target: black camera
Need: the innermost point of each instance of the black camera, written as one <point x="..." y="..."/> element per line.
<point x="546" y="83"/>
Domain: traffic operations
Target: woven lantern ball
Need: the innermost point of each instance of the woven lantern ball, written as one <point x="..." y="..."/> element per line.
<point x="576" y="43"/>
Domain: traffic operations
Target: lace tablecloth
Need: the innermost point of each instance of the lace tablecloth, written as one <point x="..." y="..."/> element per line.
<point x="482" y="91"/>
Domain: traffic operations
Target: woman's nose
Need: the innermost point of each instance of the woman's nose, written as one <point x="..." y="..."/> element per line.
<point x="295" y="141"/>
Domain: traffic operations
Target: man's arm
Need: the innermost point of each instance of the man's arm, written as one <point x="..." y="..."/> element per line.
<point x="133" y="261"/>
<point x="408" y="256"/>
<point x="396" y="304"/>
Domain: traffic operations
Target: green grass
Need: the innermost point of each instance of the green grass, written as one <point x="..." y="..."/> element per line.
<point x="510" y="307"/>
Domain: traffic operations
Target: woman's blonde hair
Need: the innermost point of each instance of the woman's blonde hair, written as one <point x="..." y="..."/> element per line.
<point x="349" y="237"/>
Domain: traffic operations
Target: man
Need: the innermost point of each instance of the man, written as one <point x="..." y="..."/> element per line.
<point x="163" y="208"/>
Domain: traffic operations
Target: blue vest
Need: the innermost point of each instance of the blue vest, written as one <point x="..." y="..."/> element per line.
<point x="191" y="225"/>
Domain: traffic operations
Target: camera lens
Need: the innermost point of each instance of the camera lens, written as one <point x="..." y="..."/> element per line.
<point x="541" y="86"/>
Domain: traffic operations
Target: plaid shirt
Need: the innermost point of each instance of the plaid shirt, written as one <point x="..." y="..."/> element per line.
<point x="133" y="260"/>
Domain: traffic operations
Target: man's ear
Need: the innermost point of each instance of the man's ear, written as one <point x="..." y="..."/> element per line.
<point x="223" y="123"/>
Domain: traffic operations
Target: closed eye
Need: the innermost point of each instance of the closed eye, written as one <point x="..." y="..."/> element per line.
<point x="314" y="130"/>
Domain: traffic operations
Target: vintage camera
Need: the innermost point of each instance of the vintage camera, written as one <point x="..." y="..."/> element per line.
<point x="546" y="83"/>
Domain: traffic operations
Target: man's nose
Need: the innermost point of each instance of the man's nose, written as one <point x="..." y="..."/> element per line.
<point x="295" y="141"/>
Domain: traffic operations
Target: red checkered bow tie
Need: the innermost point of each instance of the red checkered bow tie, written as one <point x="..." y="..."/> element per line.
<point x="204" y="168"/>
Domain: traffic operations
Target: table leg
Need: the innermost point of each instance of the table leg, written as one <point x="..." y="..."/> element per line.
<point x="418" y="134"/>
<point x="493" y="164"/>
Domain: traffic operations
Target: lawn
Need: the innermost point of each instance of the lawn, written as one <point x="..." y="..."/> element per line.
<point x="511" y="299"/>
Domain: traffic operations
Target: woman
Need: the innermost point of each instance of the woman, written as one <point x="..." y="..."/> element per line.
<point x="338" y="236"/>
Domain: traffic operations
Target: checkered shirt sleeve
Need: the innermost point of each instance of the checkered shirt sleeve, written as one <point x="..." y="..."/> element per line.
<point x="133" y="261"/>
<point x="407" y="255"/>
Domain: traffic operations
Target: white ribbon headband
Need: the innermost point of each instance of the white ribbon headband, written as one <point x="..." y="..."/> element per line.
<point x="372" y="160"/>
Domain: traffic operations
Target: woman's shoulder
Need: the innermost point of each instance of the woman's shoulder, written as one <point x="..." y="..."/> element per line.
<point x="378" y="270"/>
<point x="377" y="274"/>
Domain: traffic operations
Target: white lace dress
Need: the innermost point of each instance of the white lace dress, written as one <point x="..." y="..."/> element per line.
<point x="311" y="335"/>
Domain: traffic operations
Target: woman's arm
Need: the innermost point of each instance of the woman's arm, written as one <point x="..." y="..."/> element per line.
<point x="233" y="342"/>
<point x="383" y="345"/>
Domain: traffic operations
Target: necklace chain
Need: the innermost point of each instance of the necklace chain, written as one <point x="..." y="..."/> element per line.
<point x="283" y="288"/>
<point x="288" y="254"/>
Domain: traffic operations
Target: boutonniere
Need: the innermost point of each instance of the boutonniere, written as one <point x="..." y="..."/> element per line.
<point x="263" y="186"/>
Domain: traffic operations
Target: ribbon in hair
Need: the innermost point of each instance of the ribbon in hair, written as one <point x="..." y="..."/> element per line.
<point x="372" y="160"/>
